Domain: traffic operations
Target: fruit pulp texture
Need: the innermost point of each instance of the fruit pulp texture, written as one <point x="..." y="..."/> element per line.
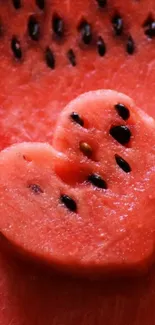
<point x="28" y="296"/>
<point x="32" y="94"/>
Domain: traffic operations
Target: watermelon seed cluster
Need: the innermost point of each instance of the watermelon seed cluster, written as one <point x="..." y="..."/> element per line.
<point x="120" y="133"/>
<point x="87" y="35"/>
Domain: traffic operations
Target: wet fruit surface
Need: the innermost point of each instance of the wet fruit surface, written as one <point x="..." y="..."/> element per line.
<point x="84" y="205"/>
<point x="124" y="303"/>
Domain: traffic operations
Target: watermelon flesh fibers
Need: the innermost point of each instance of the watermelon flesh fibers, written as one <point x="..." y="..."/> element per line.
<point x="80" y="212"/>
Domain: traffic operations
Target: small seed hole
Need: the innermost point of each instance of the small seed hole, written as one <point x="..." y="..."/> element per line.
<point x="26" y="158"/>
<point x="35" y="188"/>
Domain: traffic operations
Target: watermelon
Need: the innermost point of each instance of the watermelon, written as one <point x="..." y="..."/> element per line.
<point x="29" y="113"/>
<point x="50" y="53"/>
<point x="85" y="205"/>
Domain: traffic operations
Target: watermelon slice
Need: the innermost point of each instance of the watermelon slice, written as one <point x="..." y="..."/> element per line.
<point x="89" y="206"/>
<point x="28" y="296"/>
<point x="47" y="59"/>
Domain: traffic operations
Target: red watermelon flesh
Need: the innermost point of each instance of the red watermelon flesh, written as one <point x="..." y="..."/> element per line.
<point x="102" y="219"/>
<point x="33" y="94"/>
<point x="27" y="296"/>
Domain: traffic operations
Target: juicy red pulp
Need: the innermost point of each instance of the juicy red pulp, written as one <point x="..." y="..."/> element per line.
<point x="27" y="109"/>
<point x="50" y="53"/>
<point x="84" y="204"/>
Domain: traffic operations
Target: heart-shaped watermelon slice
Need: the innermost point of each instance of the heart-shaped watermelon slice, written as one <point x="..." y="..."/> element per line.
<point x="88" y="204"/>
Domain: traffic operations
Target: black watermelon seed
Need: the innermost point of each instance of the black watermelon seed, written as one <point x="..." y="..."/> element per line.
<point x="101" y="47"/>
<point x="16" y="47"/>
<point x="35" y="188"/>
<point x="117" y="22"/>
<point x="49" y="58"/>
<point x="120" y="133"/>
<point x="86" y="149"/>
<point x="149" y="20"/>
<point x="130" y="46"/>
<point x="33" y="28"/>
<point x="97" y="181"/>
<point x="17" y="4"/>
<point x="102" y="3"/>
<point x="150" y="31"/>
<point x="86" y="32"/>
<point x="68" y="202"/>
<point x="122" y="164"/>
<point x="71" y="57"/>
<point x="123" y="111"/>
<point x="149" y="26"/>
<point x="76" y="118"/>
<point x="58" y="25"/>
<point x="40" y="4"/>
